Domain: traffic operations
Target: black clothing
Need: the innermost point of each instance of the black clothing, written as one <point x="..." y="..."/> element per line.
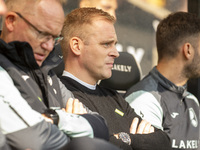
<point x="119" y="116"/>
<point x="85" y="143"/>
<point x="39" y="86"/>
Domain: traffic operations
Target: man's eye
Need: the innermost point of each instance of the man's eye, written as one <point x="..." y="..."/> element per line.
<point x="41" y="35"/>
<point x="106" y="45"/>
<point x="44" y="34"/>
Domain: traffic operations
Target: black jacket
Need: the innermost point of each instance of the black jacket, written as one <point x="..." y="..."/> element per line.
<point x="38" y="85"/>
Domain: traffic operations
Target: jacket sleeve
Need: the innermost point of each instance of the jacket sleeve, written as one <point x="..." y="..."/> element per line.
<point x="3" y="142"/>
<point x="158" y="140"/>
<point x="23" y="127"/>
<point x="90" y="125"/>
<point x="155" y="141"/>
<point x="151" y="111"/>
<point x="66" y="94"/>
<point x="74" y="125"/>
<point x="15" y="110"/>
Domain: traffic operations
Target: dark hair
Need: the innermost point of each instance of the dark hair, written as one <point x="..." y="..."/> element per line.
<point x="175" y="30"/>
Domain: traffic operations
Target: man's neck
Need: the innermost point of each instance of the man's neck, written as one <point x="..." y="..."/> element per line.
<point x="173" y="73"/>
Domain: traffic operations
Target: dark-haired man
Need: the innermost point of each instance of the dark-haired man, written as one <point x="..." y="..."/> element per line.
<point x="162" y="97"/>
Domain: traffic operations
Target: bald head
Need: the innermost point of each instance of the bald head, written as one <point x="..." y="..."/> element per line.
<point x="25" y="5"/>
<point x="37" y="22"/>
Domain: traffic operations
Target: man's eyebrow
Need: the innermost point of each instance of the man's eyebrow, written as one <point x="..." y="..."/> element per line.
<point x="109" y="41"/>
<point x="47" y="33"/>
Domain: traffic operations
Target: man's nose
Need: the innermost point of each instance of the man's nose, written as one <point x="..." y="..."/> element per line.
<point x="115" y="53"/>
<point x="48" y="45"/>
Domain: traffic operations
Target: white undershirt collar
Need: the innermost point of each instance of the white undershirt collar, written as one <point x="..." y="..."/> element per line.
<point x="67" y="74"/>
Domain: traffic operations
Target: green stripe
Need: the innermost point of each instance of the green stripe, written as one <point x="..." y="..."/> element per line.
<point x="39" y="99"/>
<point x="119" y="112"/>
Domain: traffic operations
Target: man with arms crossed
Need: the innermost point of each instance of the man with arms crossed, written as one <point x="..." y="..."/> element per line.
<point x="23" y="127"/>
<point x="89" y="52"/>
<point x="162" y="97"/>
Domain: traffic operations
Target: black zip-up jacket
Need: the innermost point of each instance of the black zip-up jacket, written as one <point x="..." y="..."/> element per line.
<point x="39" y="86"/>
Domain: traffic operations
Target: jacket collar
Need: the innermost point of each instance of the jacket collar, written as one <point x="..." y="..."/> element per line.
<point x="168" y="84"/>
<point x="21" y="53"/>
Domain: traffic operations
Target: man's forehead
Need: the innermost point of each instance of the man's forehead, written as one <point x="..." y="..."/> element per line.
<point x="49" y="19"/>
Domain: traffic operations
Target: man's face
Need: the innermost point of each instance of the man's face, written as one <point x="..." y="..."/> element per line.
<point x="46" y="20"/>
<point x="2" y="7"/>
<point x="99" y="50"/>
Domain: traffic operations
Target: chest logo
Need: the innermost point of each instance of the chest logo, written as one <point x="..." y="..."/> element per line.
<point x="50" y="80"/>
<point x="141" y="114"/>
<point x="193" y="117"/>
<point x="174" y="114"/>
<point x="25" y="77"/>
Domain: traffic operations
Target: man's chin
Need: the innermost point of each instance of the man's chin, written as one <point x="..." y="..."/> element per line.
<point x="39" y="63"/>
<point x="107" y="76"/>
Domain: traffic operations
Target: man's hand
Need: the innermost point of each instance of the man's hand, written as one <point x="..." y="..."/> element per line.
<point x="143" y="128"/>
<point x="47" y="119"/>
<point x="75" y="106"/>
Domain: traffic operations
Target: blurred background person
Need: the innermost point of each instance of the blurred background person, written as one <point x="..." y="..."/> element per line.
<point x="109" y="6"/>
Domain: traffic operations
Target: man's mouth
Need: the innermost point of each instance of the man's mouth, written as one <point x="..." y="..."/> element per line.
<point x="39" y="57"/>
<point x="110" y="65"/>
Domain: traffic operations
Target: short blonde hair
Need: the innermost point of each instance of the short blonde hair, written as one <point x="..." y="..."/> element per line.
<point x="75" y="22"/>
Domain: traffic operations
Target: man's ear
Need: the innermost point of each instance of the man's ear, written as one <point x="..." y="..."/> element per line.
<point x="75" y="45"/>
<point x="188" y="50"/>
<point x="10" y="20"/>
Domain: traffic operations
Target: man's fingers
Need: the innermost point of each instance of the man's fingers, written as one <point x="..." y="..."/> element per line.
<point x="69" y="105"/>
<point x="134" y="125"/>
<point x="141" y="127"/>
<point x="77" y="108"/>
<point x="145" y="127"/>
<point x="82" y="109"/>
<point x="151" y="129"/>
<point x="47" y="119"/>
